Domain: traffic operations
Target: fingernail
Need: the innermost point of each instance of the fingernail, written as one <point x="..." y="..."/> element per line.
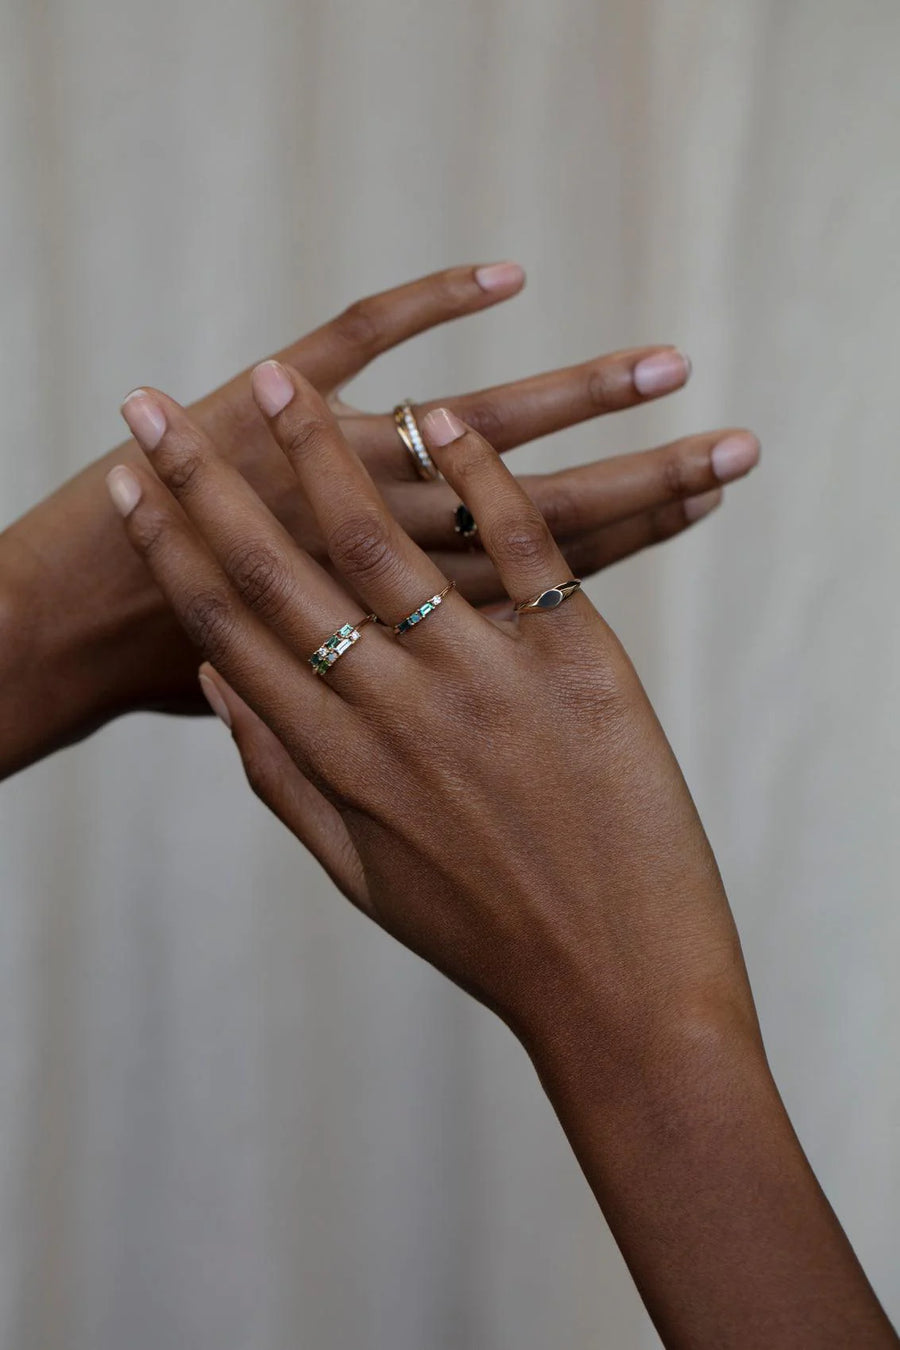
<point x="124" y="488"/>
<point x="503" y="276"/>
<point x="441" y="427"/>
<point x="661" y="373"/>
<point x="145" y="418"/>
<point x="272" y="387"/>
<point x="695" y="508"/>
<point x="734" y="456"/>
<point x="215" y="700"/>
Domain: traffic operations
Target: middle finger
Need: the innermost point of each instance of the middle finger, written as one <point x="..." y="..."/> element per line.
<point x="509" y="415"/>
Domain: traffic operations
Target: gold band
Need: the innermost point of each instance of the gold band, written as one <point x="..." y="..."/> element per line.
<point x="334" y="647"/>
<point x="550" y="599"/>
<point x="411" y="436"/>
<point x="424" y="609"/>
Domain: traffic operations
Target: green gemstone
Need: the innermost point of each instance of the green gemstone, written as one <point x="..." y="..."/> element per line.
<point x="426" y="609"/>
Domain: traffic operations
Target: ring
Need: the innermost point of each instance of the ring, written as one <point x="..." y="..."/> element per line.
<point x="464" y="522"/>
<point x="411" y="436"/>
<point x="549" y="599"/>
<point x="424" y="609"/>
<point x="333" y="648"/>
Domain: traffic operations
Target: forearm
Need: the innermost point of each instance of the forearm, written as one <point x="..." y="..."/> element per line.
<point x="81" y="625"/>
<point x="683" y="1137"/>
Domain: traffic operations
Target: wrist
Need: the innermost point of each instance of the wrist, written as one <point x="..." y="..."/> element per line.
<point x="84" y="634"/>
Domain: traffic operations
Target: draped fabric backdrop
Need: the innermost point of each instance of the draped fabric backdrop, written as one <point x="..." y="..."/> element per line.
<point x="232" y="1113"/>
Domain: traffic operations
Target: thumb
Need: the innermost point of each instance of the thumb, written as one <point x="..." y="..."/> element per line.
<point x="286" y="790"/>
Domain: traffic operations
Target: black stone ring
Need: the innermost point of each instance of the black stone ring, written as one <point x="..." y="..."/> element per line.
<point x="464" y="523"/>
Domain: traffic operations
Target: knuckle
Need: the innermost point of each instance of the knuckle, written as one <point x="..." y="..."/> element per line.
<point x="674" y="474"/>
<point x="208" y="619"/>
<point x="603" y="385"/>
<point x="181" y="474"/>
<point x="361" y="546"/>
<point x="361" y="324"/>
<point x="148" y="527"/>
<point x="260" y="577"/>
<point x="559" y="509"/>
<point x="523" y="538"/>
<point x="306" y="437"/>
<point x="486" y="418"/>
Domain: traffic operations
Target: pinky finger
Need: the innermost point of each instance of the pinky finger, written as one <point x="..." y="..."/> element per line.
<point x="601" y="548"/>
<point x="285" y="789"/>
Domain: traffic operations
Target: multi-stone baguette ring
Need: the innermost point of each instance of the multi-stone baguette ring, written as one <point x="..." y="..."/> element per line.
<point x="411" y="436"/>
<point x="550" y="599"/>
<point x="334" y="647"/>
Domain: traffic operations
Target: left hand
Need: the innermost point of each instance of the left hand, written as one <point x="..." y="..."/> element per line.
<point x="84" y="633"/>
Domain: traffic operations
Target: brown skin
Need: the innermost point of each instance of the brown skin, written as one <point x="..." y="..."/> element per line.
<point x="84" y="632"/>
<point x="501" y="798"/>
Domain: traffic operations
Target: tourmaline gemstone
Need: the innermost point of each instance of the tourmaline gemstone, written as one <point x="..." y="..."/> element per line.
<point x="426" y="609"/>
<point x="550" y="599"/>
<point x="464" y="522"/>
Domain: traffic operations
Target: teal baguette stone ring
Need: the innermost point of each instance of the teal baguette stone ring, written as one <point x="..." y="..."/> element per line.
<point x="550" y="599"/>
<point x="422" y="612"/>
<point x="334" y="647"/>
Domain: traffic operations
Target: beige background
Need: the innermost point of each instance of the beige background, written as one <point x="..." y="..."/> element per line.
<point x="231" y="1113"/>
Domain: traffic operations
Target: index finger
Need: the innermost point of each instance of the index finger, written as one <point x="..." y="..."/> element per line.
<point x="341" y="348"/>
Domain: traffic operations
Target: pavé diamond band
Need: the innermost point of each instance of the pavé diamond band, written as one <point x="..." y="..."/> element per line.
<point x="411" y="436"/>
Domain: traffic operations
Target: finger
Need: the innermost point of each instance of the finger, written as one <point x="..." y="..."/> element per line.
<point x="334" y="353"/>
<point x="221" y="627"/>
<point x="512" y="414"/>
<point x="288" y="793"/>
<point x="514" y="533"/>
<point x="575" y="501"/>
<point x="591" y="496"/>
<point x="295" y="597"/>
<point x="586" y="553"/>
<point x="370" y="550"/>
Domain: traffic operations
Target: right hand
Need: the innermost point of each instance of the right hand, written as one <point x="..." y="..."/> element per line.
<point x="498" y="796"/>
<point x="501" y="798"/>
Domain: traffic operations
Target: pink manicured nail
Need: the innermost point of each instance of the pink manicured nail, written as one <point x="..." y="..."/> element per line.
<point x="661" y="373"/>
<point x="695" y="508"/>
<point x="145" y="418"/>
<point x="215" y="700"/>
<point x="441" y="427"/>
<point x="272" y="388"/>
<point x="504" y="276"/>
<point x="734" y="456"/>
<point x="124" y="488"/>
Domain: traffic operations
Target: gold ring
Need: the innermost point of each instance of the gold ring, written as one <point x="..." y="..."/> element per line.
<point x="424" y="609"/>
<point x="550" y="599"/>
<point x="411" y="436"/>
<point x="334" y="647"/>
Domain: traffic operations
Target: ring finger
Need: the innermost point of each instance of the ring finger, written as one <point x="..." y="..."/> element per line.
<point x="368" y="547"/>
<point x="291" y="593"/>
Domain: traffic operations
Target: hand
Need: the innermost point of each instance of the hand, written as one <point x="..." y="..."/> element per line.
<point x="459" y="780"/>
<point x="78" y="608"/>
<point x="501" y="798"/>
